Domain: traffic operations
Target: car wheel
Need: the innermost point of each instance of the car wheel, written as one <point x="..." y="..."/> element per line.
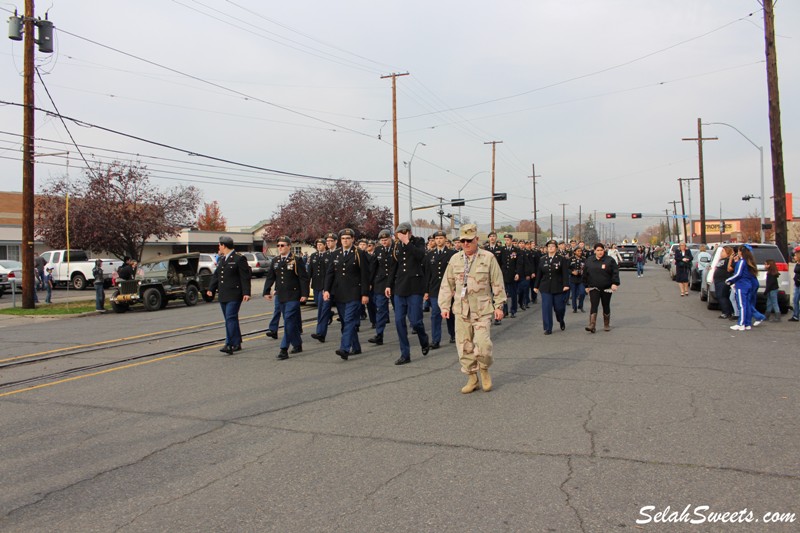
<point x="78" y="282"/>
<point x="192" y="296"/>
<point x="204" y="272"/>
<point x="118" y="308"/>
<point x="152" y="299"/>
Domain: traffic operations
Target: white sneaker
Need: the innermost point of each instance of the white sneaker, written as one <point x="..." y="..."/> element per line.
<point x="748" y="328"/>
<point x="737" y="327"/>
<point x="756" y="322"/>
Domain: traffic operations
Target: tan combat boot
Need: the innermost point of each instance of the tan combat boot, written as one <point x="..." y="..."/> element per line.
<point x="486" y="380"/>
<point x="607" y="322"/>
<point x="592" y="323"/>
<point x="472" y="384"/>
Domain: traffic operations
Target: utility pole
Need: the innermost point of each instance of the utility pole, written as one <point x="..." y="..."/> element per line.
<point x="580" y="216"/>
<point x="669" y="233"/>
<point x="675" y="215"/>
<point x="551" y="226"/>
<point x="700" y="140"/>
<point x="394" y="77"/>
<point x="683" y="213"/>
<point x="689" y="237"/>
<point x="535" y="223"/>
<point x="564" y="220"/>
<point x="776" y="140"/>
<point x="494" y="145"/>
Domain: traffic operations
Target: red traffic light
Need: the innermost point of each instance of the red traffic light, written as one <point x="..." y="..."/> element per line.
<point x="636" y="215"/>
<point x="611" y="215"/>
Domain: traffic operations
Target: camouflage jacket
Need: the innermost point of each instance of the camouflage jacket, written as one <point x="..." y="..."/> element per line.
<point x="485" y="290"/>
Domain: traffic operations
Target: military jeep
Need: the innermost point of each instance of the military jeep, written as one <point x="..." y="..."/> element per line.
<point x="158" y="282"/>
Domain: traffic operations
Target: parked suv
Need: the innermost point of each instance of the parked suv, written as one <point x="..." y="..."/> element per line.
<point x="259" y="263"/>
<point x="761" y="252"/>
<point x="207" y="264"/>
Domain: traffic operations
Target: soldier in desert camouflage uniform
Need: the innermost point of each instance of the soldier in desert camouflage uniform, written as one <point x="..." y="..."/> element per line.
<point x="474" y="278"/>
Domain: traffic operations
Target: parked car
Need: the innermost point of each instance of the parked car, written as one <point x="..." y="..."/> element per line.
<point x="10" y="272"/>
<point x="761" y="252"/>
<point x="74" y="267"/>
<point x="700" y="262"/>
<point x="259" y="263"/>
<point x="691" y="246"/>
<point x="158" y="282"/>
<point x="207" y="264"/>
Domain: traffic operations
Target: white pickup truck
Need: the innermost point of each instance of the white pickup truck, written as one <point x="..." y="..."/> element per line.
<point x="75" y="268"/>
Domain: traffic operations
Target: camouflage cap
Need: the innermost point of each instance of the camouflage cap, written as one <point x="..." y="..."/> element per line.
<point x="468" y="231"/>
<point x="347" y="232"/>
<point x="384" y="233"/>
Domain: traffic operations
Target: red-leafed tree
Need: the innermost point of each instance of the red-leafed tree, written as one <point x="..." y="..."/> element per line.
<point x="114" y="208"/>
<point x="310" y="213"/>
<point x="210" y="218"/>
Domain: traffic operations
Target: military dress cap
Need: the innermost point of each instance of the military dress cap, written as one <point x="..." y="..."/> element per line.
<point x="403" y="226"/>
<point x="284" y="238"/>
<point x="384" y="233"/>
<point x="362" y="240"/>
<point x="508" y="236"/>
<point x="551" y="241"/>
<point x="492" y="233"/>
<point x="440" y="233"/>
<point x="347" y="232"/>
<point x="430" y="238"/>
<point x="468" y="231"/>
<point x="331" y="236"/>
<point x="320" y="241"/>
<point x="226" y="241"/>
<point x="370" y="243"/>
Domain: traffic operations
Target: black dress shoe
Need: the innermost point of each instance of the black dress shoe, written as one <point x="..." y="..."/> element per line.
<point x="575" y="310"/>
<point x="237" y="348"/>
<point x="273" y="334"/>
<point x="298" y="349"/>
<point x="581" y="310"/>
<point x="320" y="338"/>
<point x="377" y="339"/>
<point x="563" y="325"/>
<point x="226" y="350"/>
<point x="435" y="346"/>
<point x="496" y="322"/>
<point x="341" y="353"/>
<point x="355" y="352"/>
<point x="548" y="332"/>
<point x="513" y="315"/>
<point x="426" y="349"/>
<point x="282" y="355"/>
<point x="403" y="361"/>
<point x="452" y="340"/>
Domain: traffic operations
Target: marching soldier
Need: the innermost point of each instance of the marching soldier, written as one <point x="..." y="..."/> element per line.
<point x="493" y="247"/>
<point x="289" y="275"/>
<point x="347" y="283"/>
<point x="435" y="264"/>
<point x="381" y="267"/>
<point x="407" y="286"/>
<point x="511" y="266"/>
<point x="552" y="281"/>
<point x="231" y="279"/>
<point x="317" y="269"/>
<point x="473" y="285"/>
<point x="324" y="312"/>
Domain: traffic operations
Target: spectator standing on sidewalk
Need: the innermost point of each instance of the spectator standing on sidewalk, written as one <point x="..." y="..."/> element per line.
<point x="796" y="297"/>
<point x="99" y="289"/>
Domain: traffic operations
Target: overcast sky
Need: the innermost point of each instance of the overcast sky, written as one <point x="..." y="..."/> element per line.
<point x="596" y="93"/>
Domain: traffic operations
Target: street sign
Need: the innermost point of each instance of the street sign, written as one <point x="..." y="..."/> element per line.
<point x="679" y="216"/>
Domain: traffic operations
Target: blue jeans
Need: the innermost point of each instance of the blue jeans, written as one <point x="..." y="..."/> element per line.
<point x="291" y="325"/>
<point x="639" y="268"/>
<point x="350" y="313"/>
<point x="436" y="321"/>
<point x="796" y="303"/>
<point x="49" y="297"/>
<point x="411" y="307"/>
<point x="99" y="296"/>
<point x="552" y="302"/>
<point x="511" y="292"/>
<point x="230" y="310"/>
<point x="578" y="294"/>
<point x="324" y="313"/>
<point x="276" y="315"/>
<point x="772" y="303"/>
<point x="381" y="312"/>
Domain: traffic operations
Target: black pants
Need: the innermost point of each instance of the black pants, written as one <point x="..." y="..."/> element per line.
<point x="723" y="294"/>
<point x="596" y="296"/>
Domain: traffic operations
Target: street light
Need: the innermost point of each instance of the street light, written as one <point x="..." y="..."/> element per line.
<point x="761" y="151"/>
<point x="408" y="164"/>
<point x="464" y="187"/>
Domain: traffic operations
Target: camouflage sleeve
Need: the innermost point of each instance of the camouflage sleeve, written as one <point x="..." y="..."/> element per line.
<point x="498" y="286"/>
<point x="447" y="289"/>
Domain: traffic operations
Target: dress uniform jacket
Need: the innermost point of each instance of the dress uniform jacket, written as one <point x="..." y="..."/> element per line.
<point x="347" y="278"/>
<point x="317" y="268"/>
<point x="576" y="264"/>
<point x="231" y="278"/>
<point x="553" y="274"/>
<point x="530" y="261"/>
<point x="407" y="275"/>
<point x="290" y="278"/>
<point x="435" y="264"/>
<point x="381" y="267"/>
<point x="496" y="251"/>
<point x="511" y="263"/>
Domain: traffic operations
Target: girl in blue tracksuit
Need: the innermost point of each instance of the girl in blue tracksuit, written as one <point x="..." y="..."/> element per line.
<point x="746" y="284"/>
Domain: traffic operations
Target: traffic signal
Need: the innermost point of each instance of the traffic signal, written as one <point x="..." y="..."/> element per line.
<point x="611" y="215"/>
<point x="636" y="215"/>
<point x="498" y="196"/>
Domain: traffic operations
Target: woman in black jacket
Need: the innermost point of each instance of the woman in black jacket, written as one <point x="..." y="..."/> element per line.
<point x="601" y="278"/>
<point x="683" y="266"/>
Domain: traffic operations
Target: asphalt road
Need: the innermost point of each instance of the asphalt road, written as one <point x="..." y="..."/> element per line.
<point x="670" y="409"/>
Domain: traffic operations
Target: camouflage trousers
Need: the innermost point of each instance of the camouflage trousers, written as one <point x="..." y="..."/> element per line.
<point x="473" y="342"/>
